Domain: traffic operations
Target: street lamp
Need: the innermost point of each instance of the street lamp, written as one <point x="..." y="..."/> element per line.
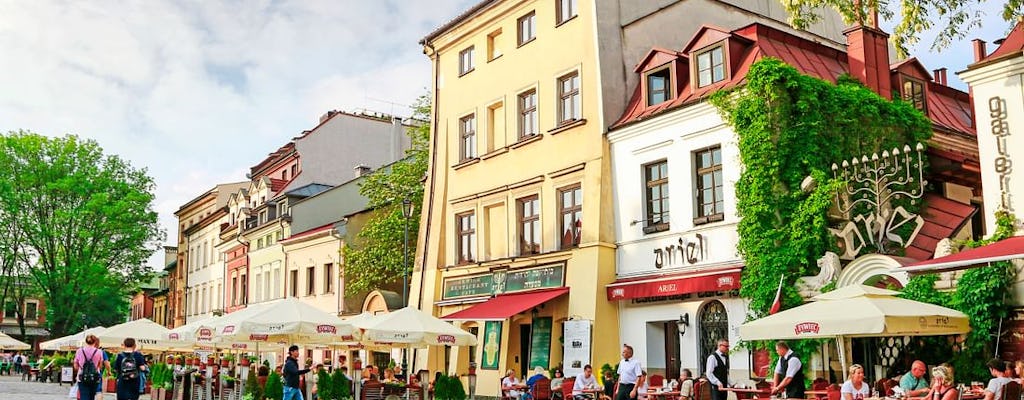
<point x="407" y="213"/>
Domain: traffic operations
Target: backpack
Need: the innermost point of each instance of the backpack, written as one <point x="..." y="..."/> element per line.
<point x="89" y="374"/>
<point x="129" y="370"/>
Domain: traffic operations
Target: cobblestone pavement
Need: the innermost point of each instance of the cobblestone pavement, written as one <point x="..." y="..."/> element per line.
<point x="13" y="388"/>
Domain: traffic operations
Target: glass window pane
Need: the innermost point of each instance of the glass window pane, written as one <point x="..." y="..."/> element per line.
<point x="703" y="61"/>
<point x="716" y="156"/>
<point x="706" y="180"/>
<point x="664" y="169"/>
<point x="719" y="73"/>
<point x="716" y="56"/>
<point x="704" y="77"/>
<point x="664" y="191"/>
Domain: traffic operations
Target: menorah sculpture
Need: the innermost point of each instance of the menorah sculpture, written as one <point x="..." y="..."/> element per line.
<point x="872" y="183"/>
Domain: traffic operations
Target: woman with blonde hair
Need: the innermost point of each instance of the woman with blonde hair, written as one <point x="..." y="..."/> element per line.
<point x="511" y="385"/>
<point x="942" y="385"/>
<point x="856" y="388"/>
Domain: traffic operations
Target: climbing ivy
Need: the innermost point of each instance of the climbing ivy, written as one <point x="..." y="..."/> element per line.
<point x="792" y="126"/>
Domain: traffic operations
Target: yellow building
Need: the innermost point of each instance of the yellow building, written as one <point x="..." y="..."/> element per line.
<point x="517" y="239"/>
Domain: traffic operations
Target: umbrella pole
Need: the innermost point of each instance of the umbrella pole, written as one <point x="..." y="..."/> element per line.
<point x="841" y="345"/>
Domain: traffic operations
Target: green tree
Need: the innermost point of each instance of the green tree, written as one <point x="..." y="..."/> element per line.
<point x="273" y="389"/>
<point x="955" y="17"/>
<point x="84" y="221"/>
<point x="378" y="257"/>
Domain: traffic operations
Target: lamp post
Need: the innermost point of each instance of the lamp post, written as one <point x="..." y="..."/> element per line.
<point x="407" y="213"/>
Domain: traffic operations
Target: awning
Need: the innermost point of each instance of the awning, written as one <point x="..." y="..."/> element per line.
<point x="1006" y="249"/>
<point x="676" y="284"/>
<point x="503" y="306"/>
<point x="29" y="330"/>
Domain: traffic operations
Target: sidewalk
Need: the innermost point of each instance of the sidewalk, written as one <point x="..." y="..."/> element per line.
<point x="13" y="388"/>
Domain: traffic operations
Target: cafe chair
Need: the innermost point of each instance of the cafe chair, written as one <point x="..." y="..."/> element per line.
<point x="541" y="389"/>
<point x="833" y="392"/>
<point x="1011" y="391"/>
<point x="567" y="385"/>
<point x="656" y="380"/>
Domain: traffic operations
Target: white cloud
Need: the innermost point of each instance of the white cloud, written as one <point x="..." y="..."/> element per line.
<point x="196" y="91"/>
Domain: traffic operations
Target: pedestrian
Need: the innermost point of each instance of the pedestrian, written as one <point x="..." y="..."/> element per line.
<point x="129" y="366"/>
<point x="291" y="375"/>
<point x="88" y="360"/>
<point x="789" y="373"/>
<point x="631" y="375"/>
<point x="914" y="383"/>
<point x="717" y="367"/>
<point x="17" y="363"/>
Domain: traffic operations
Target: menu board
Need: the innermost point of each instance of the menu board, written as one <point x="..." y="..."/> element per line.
<point x="540" y="343"/>
<point x="492" y="345"/>
<point x="576" y="347"/>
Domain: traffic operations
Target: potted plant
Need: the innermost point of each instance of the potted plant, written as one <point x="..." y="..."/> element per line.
<point x="274" y="389"/>
<point x="226" y="361"/>
<point x="246" y="360"/>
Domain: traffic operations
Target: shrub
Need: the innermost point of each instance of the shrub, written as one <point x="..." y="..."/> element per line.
<point x="274" y="389"/>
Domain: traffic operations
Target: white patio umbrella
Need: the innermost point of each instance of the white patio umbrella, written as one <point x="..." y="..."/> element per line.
<point x="70" y="342"/>
<point x="410" y="327"/>
<point x="148" y="335"/>
<point x="283" y="321"/>
<point x="857" y="311"/>
<point x="9" y="343"/>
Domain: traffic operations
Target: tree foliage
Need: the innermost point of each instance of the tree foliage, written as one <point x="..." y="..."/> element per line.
<point x="955" y="18"/>
<point x="378" y="257"/>
<point x="83" y="225"/>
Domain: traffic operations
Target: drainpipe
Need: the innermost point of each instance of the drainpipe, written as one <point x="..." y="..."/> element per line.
<point x="429" y="193"/>
<point x="337" y="281"/>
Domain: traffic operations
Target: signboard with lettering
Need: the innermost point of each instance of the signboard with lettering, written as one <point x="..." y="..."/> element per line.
<point x="498" y="282"/>
<point x="576" y="346"/>
<point x="540" y="343"/>
<point x="535" y="278"/>
<point x="479" y="285"/>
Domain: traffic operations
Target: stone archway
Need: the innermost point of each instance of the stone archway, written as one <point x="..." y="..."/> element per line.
<point x="874" y="270"/>
<point x="381" y="301"/>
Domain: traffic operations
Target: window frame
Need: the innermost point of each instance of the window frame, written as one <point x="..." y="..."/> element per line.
<point x="572" y="209"/>
<point x="460" y="234"/>
<point x="466" y="62"/>
<point x="311" y="280"/>
<point x="720" y="46"/>
<point x="669" y="84"/>
<point x="294" y="287"/>
<point x="664" y="216"/>
<point x="717" y="188"/>
<point x="536" y="229"/>
<point x="573" y="96"/>
<point x="328" y="278"/>
<point x="493" y="51"/>
<point x="467" y="151"/>
<point x="522" y="111"/>
<point x="532" y="18"/>
<point x="910" y="97"/>
<point x="574" y="9"/>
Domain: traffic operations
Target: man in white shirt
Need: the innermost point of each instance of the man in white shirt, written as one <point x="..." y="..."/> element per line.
<point x="585" y="381"/>
<point x="631" y="375"/>
<point x="789" y="373"/>
<point x="994" y="390"/>
<point x="717" y="371"/>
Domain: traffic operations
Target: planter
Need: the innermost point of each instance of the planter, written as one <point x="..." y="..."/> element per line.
<point x="245" y="362"/>
<point x="225" y="363"/>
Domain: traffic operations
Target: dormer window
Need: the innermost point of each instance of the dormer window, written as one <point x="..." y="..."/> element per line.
<point x="711" y="66"/>
<point x="913" y="92"/>
<point x="659" y="86"/>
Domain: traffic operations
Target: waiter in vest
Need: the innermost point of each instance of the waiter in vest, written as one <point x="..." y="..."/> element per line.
<point x="631" y="375"/>
<point x="790" y="371"/>
<point x="717" y="371"/>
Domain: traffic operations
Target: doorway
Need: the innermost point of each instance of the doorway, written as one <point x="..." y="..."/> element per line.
<point x="525" y="332"/>
<point x="671" y="349"/>
<point x="713" y="325"/>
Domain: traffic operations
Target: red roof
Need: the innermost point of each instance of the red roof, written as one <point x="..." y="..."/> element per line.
<point x="277" y="184"/>
<point x="942" y="217"/>
<point x="1014" y="43"/>
<point x="675" y="284"/>
<point x="1006" y="249"/>
<point x="506" y="305"/>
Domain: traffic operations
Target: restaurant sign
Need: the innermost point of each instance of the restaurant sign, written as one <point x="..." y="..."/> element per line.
<point x="498" y="282"/>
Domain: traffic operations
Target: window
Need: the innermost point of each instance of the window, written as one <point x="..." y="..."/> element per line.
<point x="656" y="196"/>
<point x="234" y="291"/>
<point x="284" y="175"/>
<point x="568" y="98"/>
<point x="467" y="141"/>
<point x="709" y="185"/>
<point x="245" y="290"/>
<point x="495" y="126"/>
<point x="295" y="170"/>
<point x="659" y="86"/>
<point x="570" y="208"/>
<point x="310" y="281"/>
<point x="566" y="10"/>
<point x="472" y="349"/>
<point x="529" y="224"/>
<point x="913" y="92"/>
<point x="294" y="289"/>
<point x="528" y="114"/>
<point x="493" y="45"/>
<point x="527" y="28"/>
<point x="466" y="61"/>
<point x="328" y="278"/>
<point x="466" y="226"/>
<point x="710" y="66"/>
<point x="259" y="243"/>
<point x="10" y="309"/>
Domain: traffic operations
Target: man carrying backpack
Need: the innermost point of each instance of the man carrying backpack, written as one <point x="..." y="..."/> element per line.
<point x="88" y="360"/>
<point x="129" y="366"/>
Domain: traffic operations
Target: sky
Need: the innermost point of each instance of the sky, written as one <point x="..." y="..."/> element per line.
<point x="196" y="92"/>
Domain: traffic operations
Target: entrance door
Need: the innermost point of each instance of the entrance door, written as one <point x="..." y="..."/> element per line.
<point x="671" y="350"/>
<point x="524" y="348"/>
<point x="714" y="325"/>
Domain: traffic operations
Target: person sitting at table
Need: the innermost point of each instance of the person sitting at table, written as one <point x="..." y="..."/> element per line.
<point x="641" y="392"/>
<point x="587" y="381"/>
<point x="685" y="384"/>
<point x="511" y="385"/>
<point x="609" y="385"/>
<point x="856" y="388"/>
<point x="389" y="376"/>
<point x="556" y="385"/>
<point x="994" y="390"/>
<point x="914" y="383"/>
<point x="1019" y="367"/>
<point x="942" y="385"/>
<point x="538" y="374"/>
<point x="1009" y="371"/>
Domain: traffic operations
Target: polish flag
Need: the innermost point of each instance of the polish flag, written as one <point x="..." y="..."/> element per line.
<point x="777" y="304"/>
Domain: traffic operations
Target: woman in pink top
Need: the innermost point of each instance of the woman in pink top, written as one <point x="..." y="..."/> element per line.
<point x="88" y="378"/>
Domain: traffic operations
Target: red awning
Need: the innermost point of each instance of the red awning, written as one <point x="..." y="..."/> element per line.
<point x="503" y="306"/>
<point x="1006" y="249"/>
<point x="669" y="285"/>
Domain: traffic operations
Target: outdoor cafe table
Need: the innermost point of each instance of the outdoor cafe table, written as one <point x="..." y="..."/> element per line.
<point x="746" y="393"/>
<point x="657" y="394"/>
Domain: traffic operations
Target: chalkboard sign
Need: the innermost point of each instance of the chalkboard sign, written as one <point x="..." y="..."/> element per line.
<point x="540" y="343"/>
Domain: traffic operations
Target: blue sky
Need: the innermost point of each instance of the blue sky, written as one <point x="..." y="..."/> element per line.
<point x="198" y="91"/>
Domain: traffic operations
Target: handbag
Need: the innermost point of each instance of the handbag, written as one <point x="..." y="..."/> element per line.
<point x="73" y="393"/>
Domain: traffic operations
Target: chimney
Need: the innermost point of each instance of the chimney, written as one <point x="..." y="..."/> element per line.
<point x="979" y="50"/>
<point x="362" y="170"/>
<point x="867" y="49"/>
<point x="940" y="76"/>
<point x="327" y="115"/>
